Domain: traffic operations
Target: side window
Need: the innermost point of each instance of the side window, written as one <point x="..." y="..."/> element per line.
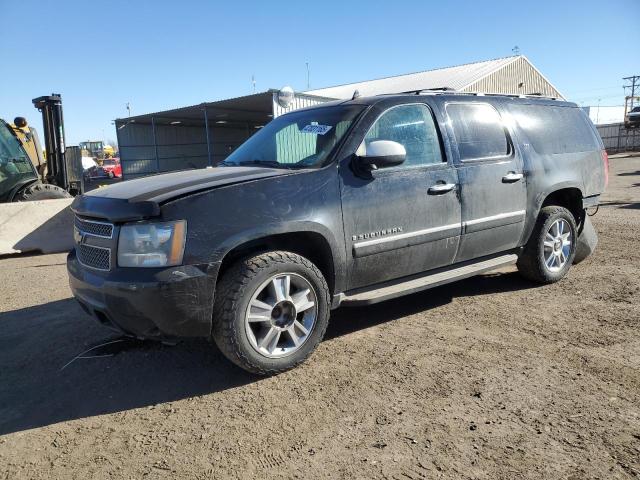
<point x="414" y="128"/>
<point x="478" y="130"/>
<point x="553" y="130"/>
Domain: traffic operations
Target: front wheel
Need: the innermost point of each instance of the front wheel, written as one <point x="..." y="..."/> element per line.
<point x="270" y="312"/>
<point x="549" y="253"/>
<point x="41" y="191"/>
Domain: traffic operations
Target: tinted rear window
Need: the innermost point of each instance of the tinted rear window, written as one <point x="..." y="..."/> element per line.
<point x="478" y="130"/>
<point x="554" y="130"/>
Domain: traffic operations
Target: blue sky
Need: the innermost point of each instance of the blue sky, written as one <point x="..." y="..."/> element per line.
<point x="160" y="54"/>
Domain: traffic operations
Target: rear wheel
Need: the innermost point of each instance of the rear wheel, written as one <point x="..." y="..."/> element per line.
<point x="549" y="253"/>
<point x="270" y="312"/>
<point x="41" y="191"/>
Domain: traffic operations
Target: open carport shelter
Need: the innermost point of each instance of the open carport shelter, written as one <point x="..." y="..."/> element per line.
<point x="199" y="135"/>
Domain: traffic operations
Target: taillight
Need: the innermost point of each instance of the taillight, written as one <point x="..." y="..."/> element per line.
<point x="605" y="160"/>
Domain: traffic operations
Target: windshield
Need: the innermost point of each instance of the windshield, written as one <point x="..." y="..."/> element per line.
<point x="15" y="165"/>
<point x="302" y="139"/>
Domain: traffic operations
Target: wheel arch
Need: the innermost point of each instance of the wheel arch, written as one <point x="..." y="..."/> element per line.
<point x="568" y="195"/>
<point x="569" y="198"/>
<point x="310" y="244"/>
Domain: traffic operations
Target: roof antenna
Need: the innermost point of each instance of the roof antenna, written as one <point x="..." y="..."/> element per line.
<point x="356" y="94"/>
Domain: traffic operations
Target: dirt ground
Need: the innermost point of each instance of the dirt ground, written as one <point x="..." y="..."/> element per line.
<point x="489" y="378"/>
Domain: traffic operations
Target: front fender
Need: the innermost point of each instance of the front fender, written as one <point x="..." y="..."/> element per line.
<point x="222" y="219"/>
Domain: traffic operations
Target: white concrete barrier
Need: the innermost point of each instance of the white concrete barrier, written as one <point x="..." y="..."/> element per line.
<point x="45" y="226"/>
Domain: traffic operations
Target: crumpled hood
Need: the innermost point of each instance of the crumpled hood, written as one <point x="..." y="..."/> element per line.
<point x="141" y="198"/>
<point x="160" y="188"/>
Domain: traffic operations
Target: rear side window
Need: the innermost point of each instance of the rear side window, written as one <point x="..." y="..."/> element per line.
<point x="478" y="130"/>
<point x="553" y="130"/>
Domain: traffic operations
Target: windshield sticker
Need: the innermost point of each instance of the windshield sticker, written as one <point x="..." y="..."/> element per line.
<point x="317" y="129"/>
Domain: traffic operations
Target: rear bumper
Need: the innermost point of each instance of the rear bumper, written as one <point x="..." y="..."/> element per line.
<point x="148" y="303"/>
<point x="587" y="241"/>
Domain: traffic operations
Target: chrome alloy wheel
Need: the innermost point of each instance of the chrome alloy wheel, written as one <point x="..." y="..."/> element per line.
<point x="281" y="315"/>
<point x="557" y="245"/>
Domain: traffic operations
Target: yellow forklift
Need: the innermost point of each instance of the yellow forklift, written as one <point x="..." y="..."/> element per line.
<point x="25" y="174"/>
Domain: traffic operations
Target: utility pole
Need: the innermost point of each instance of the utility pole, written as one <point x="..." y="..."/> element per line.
<point x="633" y="82"/>
<point x="253" y="82"/>
<point x="308" y="77"/>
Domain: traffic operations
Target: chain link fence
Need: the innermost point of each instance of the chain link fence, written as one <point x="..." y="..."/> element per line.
<point x="619" y="139"/>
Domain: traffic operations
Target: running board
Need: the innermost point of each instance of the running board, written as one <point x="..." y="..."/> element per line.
<point x="423" y="282"/>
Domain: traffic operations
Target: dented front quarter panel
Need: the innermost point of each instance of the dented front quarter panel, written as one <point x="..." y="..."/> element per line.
<point x="224" y="218"/>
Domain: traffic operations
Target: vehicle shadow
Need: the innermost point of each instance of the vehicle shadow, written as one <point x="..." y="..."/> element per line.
<point x="38" y="385"/>
<point x="42" y="382"/>
<point x="626" y="205"/>
<point x="350" y="319"/>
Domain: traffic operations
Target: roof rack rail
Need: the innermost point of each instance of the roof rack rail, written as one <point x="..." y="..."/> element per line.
<point x="435" y="89"/>
<point x="451" y="91"/>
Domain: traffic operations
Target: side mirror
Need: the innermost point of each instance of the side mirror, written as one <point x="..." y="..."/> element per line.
<point x="380" y="154"/>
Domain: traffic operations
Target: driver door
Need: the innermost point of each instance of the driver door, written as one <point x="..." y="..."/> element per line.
<point x="406" y="219"/>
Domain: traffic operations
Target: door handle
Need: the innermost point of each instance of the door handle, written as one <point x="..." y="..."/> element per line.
<point x="440" y="188"/>
<point x="512" y="177"/>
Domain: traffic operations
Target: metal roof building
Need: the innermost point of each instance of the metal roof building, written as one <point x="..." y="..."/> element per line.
<point x="196" y="136"/>
<point x="513" y="75"/>
<point x="205" y="134"/>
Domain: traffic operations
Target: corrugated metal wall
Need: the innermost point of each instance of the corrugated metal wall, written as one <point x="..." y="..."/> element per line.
<point x="291" y="144"/>
<point x="509" y="77"/>
<point x="616" y="138"/>
<point x="300" y="101"/>
<point x="177" y="147"/>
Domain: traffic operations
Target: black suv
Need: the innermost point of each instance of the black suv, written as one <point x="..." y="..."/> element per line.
<point x="350" y="202"/>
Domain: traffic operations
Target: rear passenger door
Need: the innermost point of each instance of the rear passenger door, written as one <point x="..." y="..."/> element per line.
<point x="491" y="179"/>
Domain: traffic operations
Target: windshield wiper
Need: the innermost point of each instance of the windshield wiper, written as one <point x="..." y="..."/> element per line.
<point x="266" y="163"/>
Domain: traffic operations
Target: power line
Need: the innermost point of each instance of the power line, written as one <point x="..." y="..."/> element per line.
<point x="596" y="97"/>
<point x="596" y="89"/>
<point x="633" y="84"/>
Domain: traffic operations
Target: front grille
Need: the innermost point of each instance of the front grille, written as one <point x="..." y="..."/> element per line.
<point x="97" y="229"/>
<point x="94" y="257"/>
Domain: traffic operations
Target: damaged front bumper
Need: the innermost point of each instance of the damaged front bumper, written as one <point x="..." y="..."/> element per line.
<point x="148" y="303"/>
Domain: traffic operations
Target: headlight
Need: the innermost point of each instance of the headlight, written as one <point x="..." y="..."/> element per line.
<point x="152" y="244"/>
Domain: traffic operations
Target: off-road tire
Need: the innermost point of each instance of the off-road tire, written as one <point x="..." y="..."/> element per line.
<point x="41" y="191"/>
<point x="531" y="263"/>
<point x="233" y="293"/>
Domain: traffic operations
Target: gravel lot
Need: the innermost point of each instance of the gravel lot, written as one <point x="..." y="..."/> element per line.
<point x="492" y="377"/>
